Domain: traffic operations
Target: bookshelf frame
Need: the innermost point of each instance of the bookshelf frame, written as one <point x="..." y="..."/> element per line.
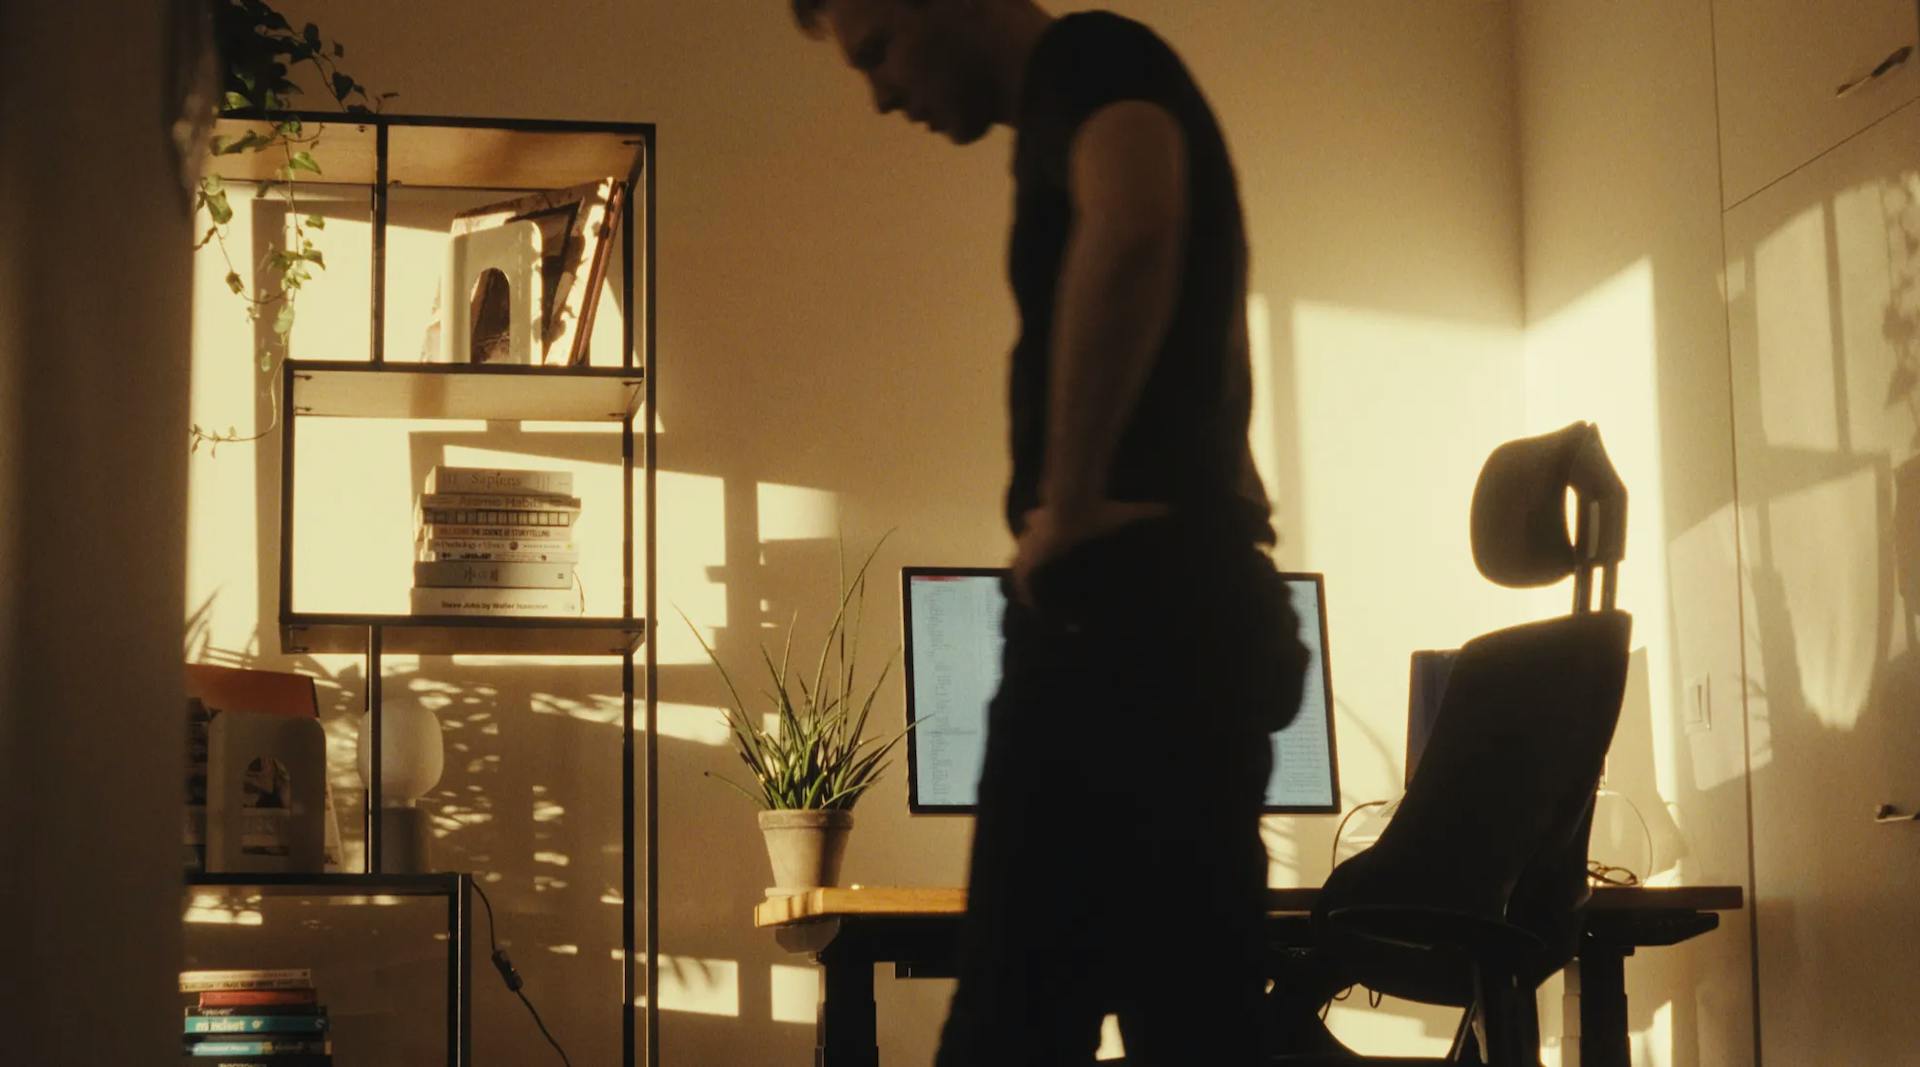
<point x="457" y="888"/>
<point x="379" y="152"/>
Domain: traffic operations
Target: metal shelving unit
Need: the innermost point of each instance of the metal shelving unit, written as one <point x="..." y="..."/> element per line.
<point x="381" y="152"/>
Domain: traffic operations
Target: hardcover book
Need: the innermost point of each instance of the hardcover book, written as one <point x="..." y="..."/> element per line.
<point x="494" y="575"/>
<point x="479" y="600"/>
<point x="497" y="549"/>
<point x="246" y="979"/>
<point x="229" y="998"/>
<point x="557" y="518"/>
<point x="508" y="501"/>
<point x="437" y="531"/>
<point x="256" y="1024"/>
<point x="265" y="1046"/>
<point x="443" y="479"/>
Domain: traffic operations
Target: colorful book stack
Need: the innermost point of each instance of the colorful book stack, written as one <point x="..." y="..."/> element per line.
<point x="256" y="1017"/>
<point x="496" y="542"/>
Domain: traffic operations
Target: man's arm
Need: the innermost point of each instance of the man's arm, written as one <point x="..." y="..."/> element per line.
<point x="1119" y="281"/>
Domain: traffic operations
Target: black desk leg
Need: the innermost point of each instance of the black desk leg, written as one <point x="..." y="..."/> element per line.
<point x="846" y="1034"/>
<point x="1603" y="1006"/>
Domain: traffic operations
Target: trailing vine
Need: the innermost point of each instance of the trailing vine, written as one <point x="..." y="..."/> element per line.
<point x="260" y="50"/>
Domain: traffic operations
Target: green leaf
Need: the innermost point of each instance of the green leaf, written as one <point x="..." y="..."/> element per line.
<point x="311" y="34"/>
<point x="234" y="283"/>
<point x="218" y="209"/>
<point x="212" y="232"/>
<point x="303" y="161"/>
<point x="236" y="102"/>
<point x="315" y="258"/>
<point x="283" y="322"/>
<point x="212" y="183"/>
<point x="316" y="222"/>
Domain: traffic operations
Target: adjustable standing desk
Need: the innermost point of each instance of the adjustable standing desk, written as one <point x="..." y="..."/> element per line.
<point x="848" y="931"/>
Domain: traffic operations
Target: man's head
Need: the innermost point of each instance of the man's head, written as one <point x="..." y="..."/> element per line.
<point x="939" y="61"/>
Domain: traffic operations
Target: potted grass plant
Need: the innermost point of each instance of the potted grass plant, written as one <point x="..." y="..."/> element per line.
<point x="809" y="758"/>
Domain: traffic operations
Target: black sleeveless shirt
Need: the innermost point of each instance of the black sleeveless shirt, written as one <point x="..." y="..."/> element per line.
<point x="1186" y="440"/>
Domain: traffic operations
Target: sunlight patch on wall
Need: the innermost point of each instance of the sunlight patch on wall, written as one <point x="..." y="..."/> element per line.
<point x="603" y="709"/>
<point x="1794" y="335"/>
<point x="797" y="513"/>
<point x="698" y="986"/>
<point x="796" y="993"/>
<point x="1829" y="598"/>
<point x="694" y="722"/>
<point x="1261" y="429"/>
<point x="1654" y="1045"/>
<point x="1596" y="360"/>
<point x="696" y="543"/>
<point x="1395" y="415"/>
<point x="217" y="909"/>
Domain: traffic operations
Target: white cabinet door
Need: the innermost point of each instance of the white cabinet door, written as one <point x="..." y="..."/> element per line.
<point x="1823" y="286"/>
<point x="1782" y="67"/>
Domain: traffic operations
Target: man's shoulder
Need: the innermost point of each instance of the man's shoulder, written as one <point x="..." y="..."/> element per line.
<point x="1093" y="33"/>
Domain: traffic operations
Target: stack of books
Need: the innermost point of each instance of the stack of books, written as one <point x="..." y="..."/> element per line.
<point x="194" y="833"/>
<point x="495" y="542"/>
<point x="246" y="1018"/>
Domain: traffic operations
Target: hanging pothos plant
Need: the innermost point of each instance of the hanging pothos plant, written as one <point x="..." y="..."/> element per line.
<point x="260" y="50"/>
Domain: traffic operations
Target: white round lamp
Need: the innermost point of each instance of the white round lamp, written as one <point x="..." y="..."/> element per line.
<point x="411" y="758"/>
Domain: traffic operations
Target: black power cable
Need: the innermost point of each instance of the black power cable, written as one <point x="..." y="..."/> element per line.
<point x="512" y="977"/>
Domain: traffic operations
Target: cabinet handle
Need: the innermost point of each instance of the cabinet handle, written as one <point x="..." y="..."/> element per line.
<point x="1889" y="813"/>
<point x="1886" y="67"/>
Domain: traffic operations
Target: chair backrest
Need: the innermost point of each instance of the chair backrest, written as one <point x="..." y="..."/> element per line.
<point x="1489" y="843"/>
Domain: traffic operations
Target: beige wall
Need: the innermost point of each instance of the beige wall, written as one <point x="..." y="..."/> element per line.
<point x="93" y="369"/>
<point x="1821" y="290"/>
<point x="833" y="328"/>
<point x="1625" y="327"/>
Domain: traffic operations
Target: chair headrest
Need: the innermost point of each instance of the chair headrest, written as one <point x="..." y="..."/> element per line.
<point x="1520" y="535"/>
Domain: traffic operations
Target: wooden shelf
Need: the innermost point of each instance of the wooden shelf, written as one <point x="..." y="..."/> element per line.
<point x="441" y="152"/>
<point x="355" y="389"/>
<point x="334" y="885"/>
<point x="452" y="635"/>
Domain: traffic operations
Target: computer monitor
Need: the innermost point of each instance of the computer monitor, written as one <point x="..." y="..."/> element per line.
<point x="951" y="625"/>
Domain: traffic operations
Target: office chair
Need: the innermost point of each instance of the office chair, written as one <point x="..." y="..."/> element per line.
<point x="1475" y="892"/>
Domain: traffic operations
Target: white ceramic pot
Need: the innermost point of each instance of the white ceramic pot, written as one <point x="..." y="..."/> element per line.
<point x="805" y="847"/>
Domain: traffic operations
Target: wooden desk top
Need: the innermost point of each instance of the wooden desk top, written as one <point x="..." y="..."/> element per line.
<point x="837" y="903"/>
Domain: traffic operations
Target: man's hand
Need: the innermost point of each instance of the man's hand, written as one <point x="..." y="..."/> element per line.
<point x="1051" y="532"/>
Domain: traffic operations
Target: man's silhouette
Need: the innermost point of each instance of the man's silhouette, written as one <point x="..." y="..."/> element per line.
<point x="1150" y="649"/>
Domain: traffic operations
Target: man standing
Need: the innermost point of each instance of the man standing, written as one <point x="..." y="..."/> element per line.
<point x="1150" y="648"/>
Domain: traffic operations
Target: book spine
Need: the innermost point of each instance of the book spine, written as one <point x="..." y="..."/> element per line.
<point x="437" y="600"/>
<point x="455" y="531"/>
<point x="499" y="480"/>
<point x="251" y="998"/>
<point x="494" y="575"/>
<point x="256" y="1024"/>
<point x="201" y="981"/>
<point x="260" y="1047"/>
<point x="507" y="501"/>
<point x="498" y="550"/>
<point x="219" y="1011"/>
<point x="317" y="1060"/>
<point x="552" y="517"/>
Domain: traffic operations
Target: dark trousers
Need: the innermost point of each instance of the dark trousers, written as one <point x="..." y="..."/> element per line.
<point x="1117" y="865"/>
